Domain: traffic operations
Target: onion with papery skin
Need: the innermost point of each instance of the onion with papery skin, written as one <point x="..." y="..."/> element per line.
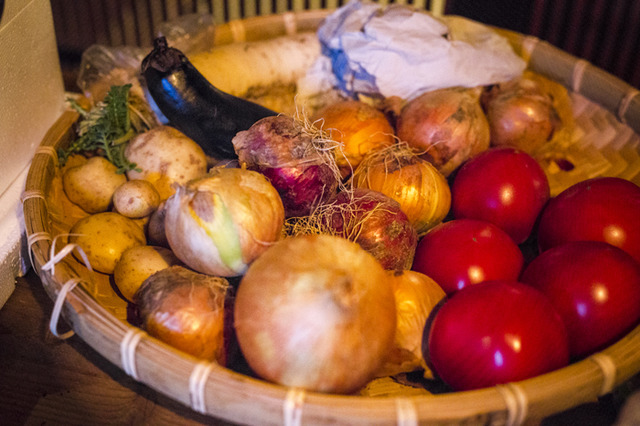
<point x="521" y="113"/>
<point x="295" y="158"/>
<point x="186" y="310"/>
<point x="315" y="312"/>
<point x="445" y="126"/>
<point x="376" y="223"/>
<point x="219" y="224"/>
<point x="422" y="191"/>
<point x="359" y="127"/>
<point x="416" y="296"/>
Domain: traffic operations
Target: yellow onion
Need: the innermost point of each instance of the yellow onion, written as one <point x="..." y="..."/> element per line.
<point x="416" y="296"/>
<point x="527" y="113"/>
<point x="359" y="127"/>
<point x="315" y="312"/>
<point x="219" y="224"/>
<point x="445" y="126"/>
<point x="422" y="191"/>
<point x="186" y="310"/>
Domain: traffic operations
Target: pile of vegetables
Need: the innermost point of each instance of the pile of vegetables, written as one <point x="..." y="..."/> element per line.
<point x="361" y="242"/>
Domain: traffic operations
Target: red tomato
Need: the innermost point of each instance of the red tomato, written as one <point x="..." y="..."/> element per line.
<point x="600" y="209"/>
<point x="495" y="332"/>
<point x="504" y="186"/>
<point x="462" y="252"/>
<point x="594" y="286"/>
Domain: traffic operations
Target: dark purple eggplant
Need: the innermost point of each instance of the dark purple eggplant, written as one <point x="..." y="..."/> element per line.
<point x="193" y="105"/>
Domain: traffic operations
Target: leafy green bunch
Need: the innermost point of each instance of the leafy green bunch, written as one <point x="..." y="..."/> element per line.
<point x="107" y="127"/>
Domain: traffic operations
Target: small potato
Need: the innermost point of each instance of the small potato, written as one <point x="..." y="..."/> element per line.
<point x="165" y="156"/>
<point x="139" y="263"/>
<point x="104" y="237"/>
<point x="91" y="185"/>
<point x="136" y="198"/>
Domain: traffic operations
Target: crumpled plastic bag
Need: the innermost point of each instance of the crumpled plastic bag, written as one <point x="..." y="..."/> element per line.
<point x="104" y="66"/>
<point x="401" y="51"/>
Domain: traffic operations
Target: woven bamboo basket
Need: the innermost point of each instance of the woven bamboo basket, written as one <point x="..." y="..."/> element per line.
<point x="605" y="146"/>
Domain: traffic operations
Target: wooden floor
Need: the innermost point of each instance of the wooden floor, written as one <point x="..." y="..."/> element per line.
<point x="47" y="381"/>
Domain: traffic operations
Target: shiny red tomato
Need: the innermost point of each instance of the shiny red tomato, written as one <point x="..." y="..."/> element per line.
<point x="600" y="209"/>
<point x="463" y="252"/>
<point x="495" y="332"/>
<point x="594" y="286"/>
<point x="504" y="186"/>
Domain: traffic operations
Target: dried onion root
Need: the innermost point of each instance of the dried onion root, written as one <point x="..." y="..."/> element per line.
<point x="373" y="220"/>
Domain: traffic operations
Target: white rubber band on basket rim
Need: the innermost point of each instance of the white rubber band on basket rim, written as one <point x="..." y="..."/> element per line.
<point x="237" y="31"/>
<point x="32" y="193"/>
<point x="406" y="412"/>
<point x="528" y="46"/>
<point x="578" y="72"/>
<point x="34" y="238"/>
<point x="290" y="24"/>
<point x="292" y="407"/>
<point x="516" y="401"/>
<point x="609" y="371"/>
<point x="48" y="150"/>
<point x="624" y="104"/>
<point x="57" y="257"/>
<point x="57" y="309"/>
<point x="128" y="351"/>
<point x="197" y="380"/>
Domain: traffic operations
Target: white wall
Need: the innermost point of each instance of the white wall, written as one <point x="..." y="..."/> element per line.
<point x="31" y="99"/>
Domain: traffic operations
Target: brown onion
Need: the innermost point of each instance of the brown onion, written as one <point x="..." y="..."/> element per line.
<point x="315" y="312"/>
<point x="445" y="126"/>
<point x="186" y="310"/>
<point x="416" y="296"/>
<point x="219" y="224"/>
<point x="294" y="158"/>
<point x="521" y="113"/>
<point x="359" y="127"/>
<point x="422" y="191"/>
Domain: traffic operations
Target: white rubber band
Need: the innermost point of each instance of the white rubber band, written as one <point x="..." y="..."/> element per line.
<point x="57" y="257"/>
<point x="624" y="104"/>
<point x="33" y="193"/>
<point x="57" y="309"/>
<point x="197" y="380"/>
<point x="48" y="150"/>
<point x="516" y="401"/>
<point x="237" y="30"/>
<point x="34" y="238"/>
<point x="406" y="412"/>
<point x="128" y="351"/>
<point x="578" y="73"/>
<point x="292" y="407"/>
<point x="290" y="24"/>
<point x="528" y="46"/>
<point x="609" y="371"/>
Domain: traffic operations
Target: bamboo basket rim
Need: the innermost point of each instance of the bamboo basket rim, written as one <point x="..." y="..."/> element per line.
<point x="225" y="394"/>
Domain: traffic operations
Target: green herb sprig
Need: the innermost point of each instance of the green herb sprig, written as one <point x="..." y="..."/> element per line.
<point x="106" y="128"/>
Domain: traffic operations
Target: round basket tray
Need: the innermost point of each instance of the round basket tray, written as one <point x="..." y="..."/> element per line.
<point x="604" y="145"/>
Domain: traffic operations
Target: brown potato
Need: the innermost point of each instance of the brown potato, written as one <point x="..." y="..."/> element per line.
<point x="104" y="237"/>
<point x="165" y="156"/>
<point x="137" y="264"/>
<point x="91" y="184"/>
<point x="136" y="199"/>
